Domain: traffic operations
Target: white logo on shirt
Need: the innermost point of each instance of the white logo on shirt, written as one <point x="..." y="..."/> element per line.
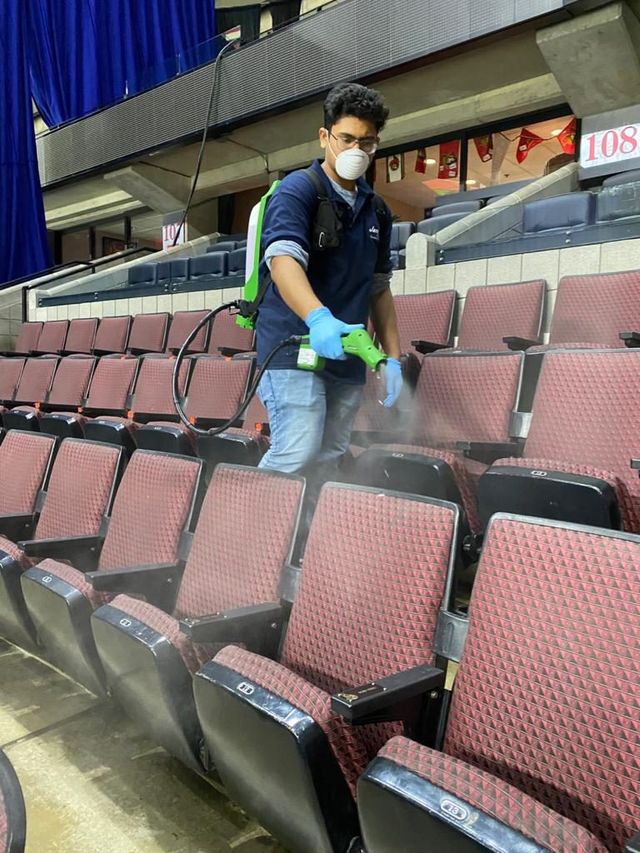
<point x="374" y="232"/>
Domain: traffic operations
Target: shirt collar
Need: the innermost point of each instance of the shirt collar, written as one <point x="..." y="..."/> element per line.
<point x="363" y="187"/>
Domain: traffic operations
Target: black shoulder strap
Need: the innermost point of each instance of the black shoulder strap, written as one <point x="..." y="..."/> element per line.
<point x="317" y="182"/>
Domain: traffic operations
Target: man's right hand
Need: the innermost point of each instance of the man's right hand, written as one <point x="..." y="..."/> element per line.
<point x="325" y="333"/>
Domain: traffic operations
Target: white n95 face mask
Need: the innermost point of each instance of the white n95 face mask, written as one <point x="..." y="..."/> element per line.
<point x="352" y="164"/>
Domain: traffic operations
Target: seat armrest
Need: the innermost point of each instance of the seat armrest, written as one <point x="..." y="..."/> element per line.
<point x="518" y="344"/>
<point x="82" y="551"/>
<point x="134" y="578"/>
<point x="633" y="845"/>
<point x="16" y="526"/>
<point x="425" y="347"/>
<point x="258" y="626"/>
<point x="630" y="339"/>
<point x="396" y="697"/>
<point x="489" y="451"/>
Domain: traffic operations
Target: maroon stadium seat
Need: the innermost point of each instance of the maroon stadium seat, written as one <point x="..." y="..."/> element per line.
<point x="182" y="324"/>
<point x="216" y="389"/>
<point x="109" y="391"/>
<point x="377" y="569"/>
<point x="148" y="333"/>
<point x="68" y="391"/>
<point x="425" y="317"/>
<point x="112" y="335"/>
<point x="10" y="373"/>
<point x="592" y="310"/>
<point x="224" y="572"/>
<point x="81" y="335"/>
<point x="52" y="337"/>
<point x="575" y="462"/>
<point x="153" y="510"/>
<point x="78" y="495"/>
<point x="227" y="337"/>
<point x="502" y="310"/>
<point x="152" y="398"/>
<point x="35" y="380"/>
<point x="540" y="750"/>
<point x="460" y="397"/>
<point x="27" y="340"/>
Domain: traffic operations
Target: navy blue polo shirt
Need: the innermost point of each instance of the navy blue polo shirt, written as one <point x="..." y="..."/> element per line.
<point x="341" y="278"/>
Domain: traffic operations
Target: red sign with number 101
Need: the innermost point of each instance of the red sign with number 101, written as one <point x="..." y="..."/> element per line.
<point x="610" y="146"/>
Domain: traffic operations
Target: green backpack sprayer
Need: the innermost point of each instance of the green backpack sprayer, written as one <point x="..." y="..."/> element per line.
<point x="357" y="343"/>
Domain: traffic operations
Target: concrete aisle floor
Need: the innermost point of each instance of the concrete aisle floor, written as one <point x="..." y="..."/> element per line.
<point x="94" y="784"/>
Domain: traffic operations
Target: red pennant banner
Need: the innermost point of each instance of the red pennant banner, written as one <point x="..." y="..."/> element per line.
<point x="527" y="142"/>
<point x="484" y="147"/>
<point x="449" y="159"/>
<point x="421" y="160"/>
<point x="567" y="138"/>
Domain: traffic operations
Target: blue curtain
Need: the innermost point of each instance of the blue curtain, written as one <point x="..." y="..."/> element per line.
<point x="23" y="237"/>
<point x="87" y="54"/>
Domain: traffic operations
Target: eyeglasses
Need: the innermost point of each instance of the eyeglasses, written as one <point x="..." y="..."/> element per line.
<point x="368" y="144"/>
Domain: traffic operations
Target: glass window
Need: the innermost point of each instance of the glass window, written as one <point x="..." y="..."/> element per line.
<point x="520" y="154"/>
<point x="411" y="182"/>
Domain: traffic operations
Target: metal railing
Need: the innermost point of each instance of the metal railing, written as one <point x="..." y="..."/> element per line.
<point x="61" y="271"/>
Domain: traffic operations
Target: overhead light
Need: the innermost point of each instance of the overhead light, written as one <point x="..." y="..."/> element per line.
<point x="431" y="162"/>
<point x="556" y="132"/>
<point x="471" y="182"/>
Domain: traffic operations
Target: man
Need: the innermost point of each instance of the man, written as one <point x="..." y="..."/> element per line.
<point x="326" y="293"/>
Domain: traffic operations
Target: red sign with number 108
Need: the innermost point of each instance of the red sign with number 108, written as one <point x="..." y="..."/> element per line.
<point x="610" y="146"/>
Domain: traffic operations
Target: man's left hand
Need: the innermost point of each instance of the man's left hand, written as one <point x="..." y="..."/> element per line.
<point x="393" y="381"/>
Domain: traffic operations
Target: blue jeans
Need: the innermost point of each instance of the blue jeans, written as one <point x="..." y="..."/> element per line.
<point x="310" y="419"/>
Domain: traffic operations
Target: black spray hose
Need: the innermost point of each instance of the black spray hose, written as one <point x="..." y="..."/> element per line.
<point x="178" y="401"/>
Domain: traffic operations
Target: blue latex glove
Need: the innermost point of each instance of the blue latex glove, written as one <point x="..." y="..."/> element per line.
<point x="393" y="381"/>
<point x="325" y="331"/>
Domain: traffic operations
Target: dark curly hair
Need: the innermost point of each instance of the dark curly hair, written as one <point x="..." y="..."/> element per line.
<point x="352" y="99"/>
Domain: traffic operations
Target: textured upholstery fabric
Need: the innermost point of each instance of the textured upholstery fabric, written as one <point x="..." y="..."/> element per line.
<point x="217" y="387"/>
<point x="182" y="325"/>
<point x="584" y="414"/>
<point x="10" y="373"/>
<point x="112" y="382"/>
<point x="112" y="334"/>
<point x="150" y="511"/>
<point x="71" y="380"/>
<point x="424" y="317"/>
<point x="352" y="626"/>
<point x="492" y="313"/>
<point x="81" y="335"/>
<point x="225" y="570"/>
<point x="227" y="333"/>
<point x="596" y="308"/>
<point x="466" y="397"/>
<point x="153" y="387"/>
<point x="79" y="489"/>
<point x="149" y="332"/>
<point x="17" y="554"/>
<point x="53" y="336"/>
<point x="24" y="458"/>
<point x="36" y="379"/>
<point x="548" y="692"/>
<point x="494" y="797"/>
<point x="27" y="340"/>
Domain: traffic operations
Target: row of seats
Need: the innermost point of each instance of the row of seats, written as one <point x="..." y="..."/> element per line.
<point x="441" y="216"/>
<point x="169" y="275"/>
<point x="111" y="335"/>
<point x="589" y="310"/>
<point x="319" y="694"/>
